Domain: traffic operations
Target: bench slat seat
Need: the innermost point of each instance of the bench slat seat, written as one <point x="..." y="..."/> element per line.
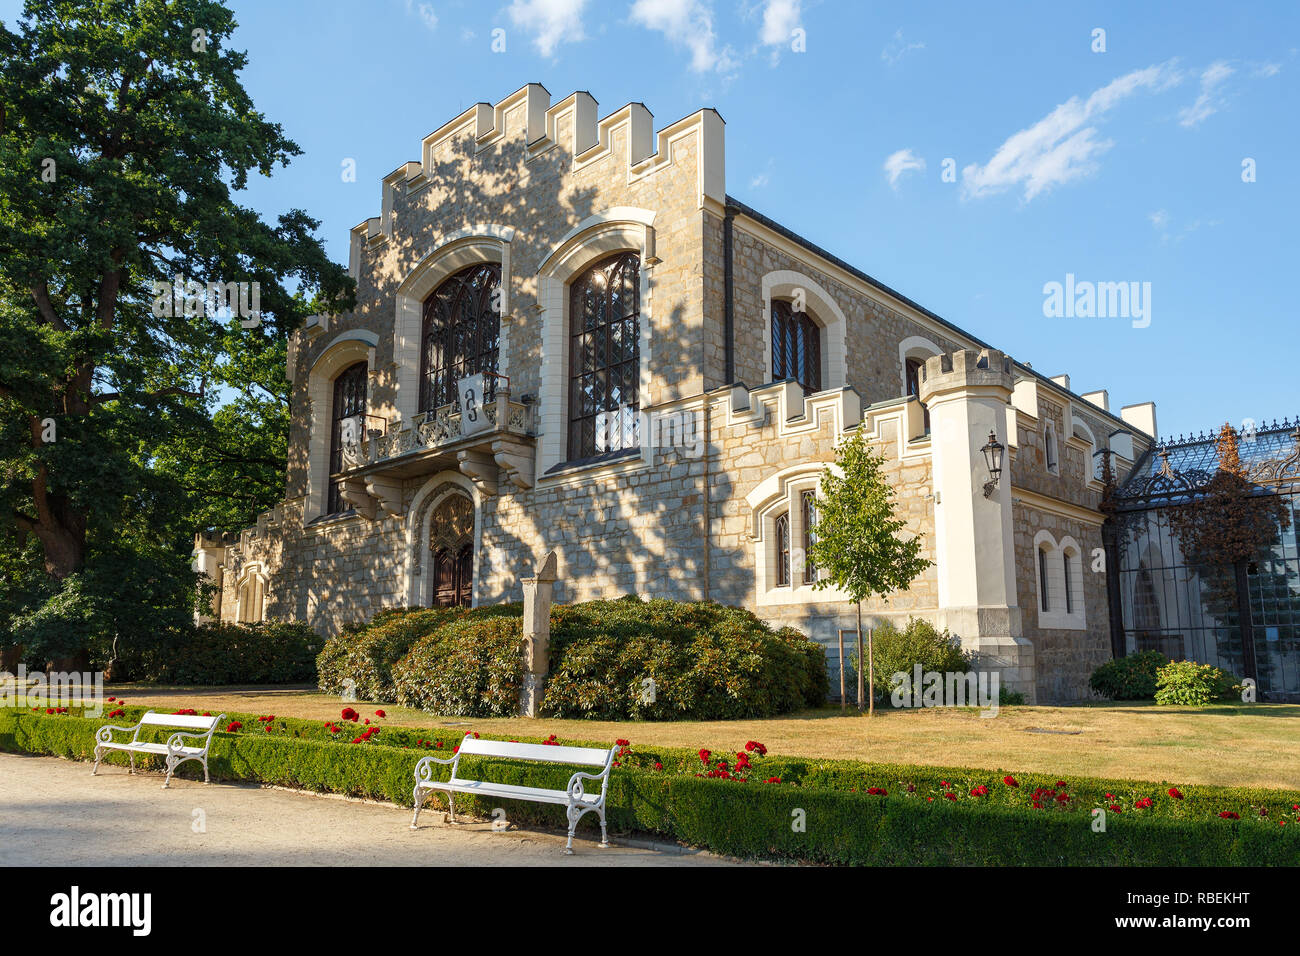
<point x="574" y="797"/>
<point x="198" y="727"/>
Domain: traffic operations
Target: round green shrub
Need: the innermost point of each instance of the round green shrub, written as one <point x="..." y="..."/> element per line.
<point x="920" y="642"/>
<point x="1129" y="678"/>
<point x="1190" y="684"/>
<point x="672" y="660"/>
<point x="469" y="667"/>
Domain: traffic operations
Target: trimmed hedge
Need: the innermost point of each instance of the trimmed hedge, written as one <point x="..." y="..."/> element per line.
<point x="214" y="654"/>
<point x="706" y="662"/>
<point x="762" y="820"/>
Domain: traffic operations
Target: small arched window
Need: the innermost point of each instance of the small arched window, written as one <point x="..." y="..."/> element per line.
<point x="460" y="334"/>
<point x="605" y="357"/>
<point x="782" y="529"/>
<point x="913" y="368"/>
<point x="348" y="413"/>
<point x="808" y="508"/>
<point x="796" y="347"/>
<point x="1050" y="451"/>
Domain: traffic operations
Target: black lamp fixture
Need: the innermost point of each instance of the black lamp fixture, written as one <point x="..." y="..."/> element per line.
<point x="993" y="459"/>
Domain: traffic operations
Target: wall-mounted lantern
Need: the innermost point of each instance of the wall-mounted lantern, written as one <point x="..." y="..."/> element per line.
<point x="993" y="459"/>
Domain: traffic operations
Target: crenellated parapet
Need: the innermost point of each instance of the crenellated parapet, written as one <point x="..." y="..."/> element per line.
<point x="571" y="126"/>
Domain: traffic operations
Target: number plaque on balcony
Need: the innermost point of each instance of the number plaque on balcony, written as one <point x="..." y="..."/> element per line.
<point x="473" y="412"/>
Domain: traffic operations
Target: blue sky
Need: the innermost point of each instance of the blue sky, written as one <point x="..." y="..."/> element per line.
<point x="1122" y="165"/>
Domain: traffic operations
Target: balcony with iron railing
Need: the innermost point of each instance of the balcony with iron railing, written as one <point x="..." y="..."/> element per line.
<point x="489" y="443"/>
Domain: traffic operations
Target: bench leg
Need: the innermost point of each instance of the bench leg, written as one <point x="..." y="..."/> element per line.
<point x="574" y="815"/>
<point x="170" y="767"/>
<point x="604" y="838"/>
<point x="205" y="770"/>
<point x="419" y="801"/>
<point x="99" y="755"/>
<point x="451" y="807"/>
<point x="131" y="769"/>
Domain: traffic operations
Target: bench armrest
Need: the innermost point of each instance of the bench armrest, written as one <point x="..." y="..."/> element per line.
<point x="104" y="735"/>
<point x="174" y="742"/>
<point x="424" y="769"/>
<point x="575" y="788"/>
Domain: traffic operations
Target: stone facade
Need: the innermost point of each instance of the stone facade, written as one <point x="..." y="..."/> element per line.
<point x="544" y="191"/>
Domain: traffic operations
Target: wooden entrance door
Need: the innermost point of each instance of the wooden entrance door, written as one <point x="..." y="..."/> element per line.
<point x="452" y="543"/>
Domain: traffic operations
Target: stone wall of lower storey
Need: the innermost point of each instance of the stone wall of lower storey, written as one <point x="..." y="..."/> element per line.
<point x="1064" y="658"/>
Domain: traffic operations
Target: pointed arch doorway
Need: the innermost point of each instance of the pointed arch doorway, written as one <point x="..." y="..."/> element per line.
<point x="451" y="544"/>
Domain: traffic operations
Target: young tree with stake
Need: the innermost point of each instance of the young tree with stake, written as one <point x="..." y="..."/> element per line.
<point x="856" y="544"/>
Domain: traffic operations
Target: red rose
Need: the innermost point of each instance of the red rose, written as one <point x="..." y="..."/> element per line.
<point x="1010" y="781"/>
<point x="233" y="726"/>
<point x="778" y="780"/>
<point x="1114" y="808"/>
<point x="380" y="713"/>
<point x="620" y="742"/>
<point x="349" y="714"/>
<point x="658" y="766"/>
<point x="704" y="756"/>
<point x="1229" y="815"/>
<point x="1175" y="793"/>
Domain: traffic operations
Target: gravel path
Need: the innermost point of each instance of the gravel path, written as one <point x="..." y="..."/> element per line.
<point x="54" y="813"/>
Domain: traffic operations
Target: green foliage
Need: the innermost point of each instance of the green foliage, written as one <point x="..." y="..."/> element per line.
<point x="1129" y="678"/>
<point x="123" y="151"/>
<point x="1190" y="683"/>
<point x="706" y="661"/>
<point x="365" y="655"/>
<point x="918" y="643"/>
<point x="215" y="654"/>
<point x="856" y="545"/>
<point x="844" y="824"/>
<point x="469" y="667"/>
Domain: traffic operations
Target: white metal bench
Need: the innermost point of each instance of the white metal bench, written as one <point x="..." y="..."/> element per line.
<point x="573" y="797"/>
<point x="174" y="750"/>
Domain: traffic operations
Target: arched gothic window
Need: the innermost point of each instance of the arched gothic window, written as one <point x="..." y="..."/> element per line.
<point x="796" y="347"/>
<point x="460" y="334"/>
<point x="782" y="527"/>
<point x="348" y="412"/>
<point x="605" y="357"/>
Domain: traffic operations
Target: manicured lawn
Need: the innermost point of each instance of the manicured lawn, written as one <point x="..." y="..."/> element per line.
<point x="1225" y="745"/>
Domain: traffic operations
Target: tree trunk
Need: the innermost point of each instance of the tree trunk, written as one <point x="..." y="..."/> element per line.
<point x="871" y="672"/>
<point x="861" y="656"/>
<point x="844" y="700"/>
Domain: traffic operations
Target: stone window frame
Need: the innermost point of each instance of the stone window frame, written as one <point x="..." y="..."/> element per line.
<point x="1093" y="460"/>
<point x="620" y="229"/>
<point x="1053" y="552"/>
<point x="1051" y="449"/>
<point x="418" y="571"/>
<point x="915" y="348"/>
<point x="252" y="581"/>
<point x="344" y="350"/>
<point x="822" y="308"/>
<point x="483" y="243"/>
<point x="780" y="495"/>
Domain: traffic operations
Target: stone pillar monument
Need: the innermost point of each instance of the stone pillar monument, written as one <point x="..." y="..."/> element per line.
<point x="968" y="394"/>
<point x="538" y="594"/>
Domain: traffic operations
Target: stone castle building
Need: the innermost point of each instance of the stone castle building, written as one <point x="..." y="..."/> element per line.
<point x="569" y="337"/>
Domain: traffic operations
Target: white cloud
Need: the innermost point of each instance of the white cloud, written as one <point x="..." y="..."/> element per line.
<point x="1268" y="69"/>
<point x="425" y="12"/>
<point x="897" y="48"/>
<point x="1062" y="146"/>
<point x="900" y="163"/>
<point x="1159" y="218"/>
<point x="780" y="17"/>
<point x="1209" y="100"/>
<point x="687" y="23"/>
<point x="551" y="22"/>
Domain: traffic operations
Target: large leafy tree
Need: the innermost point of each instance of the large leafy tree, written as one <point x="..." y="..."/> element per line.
<point x="857" y="545"/>
<point x="125" y="138"/>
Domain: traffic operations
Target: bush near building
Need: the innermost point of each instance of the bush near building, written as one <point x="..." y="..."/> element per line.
<point x="215" y="654"/>
<point x="920" y="642"/>
<point x="1129" y="678"/>
<point x="657" y="659"/>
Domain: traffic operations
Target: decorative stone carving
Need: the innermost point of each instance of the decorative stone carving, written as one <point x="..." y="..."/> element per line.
<point x="481" y="468"/>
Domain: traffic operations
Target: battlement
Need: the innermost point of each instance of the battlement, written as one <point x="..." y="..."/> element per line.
<point x="571" y="125"/>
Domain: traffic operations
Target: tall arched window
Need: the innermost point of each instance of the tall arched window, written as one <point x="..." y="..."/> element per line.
<point x="782" y="527"/>
<point x="605" y="357"/>
<point x="796" y="347"/>
<point x="349" y="404"/>
<point x="460" y="334"/>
